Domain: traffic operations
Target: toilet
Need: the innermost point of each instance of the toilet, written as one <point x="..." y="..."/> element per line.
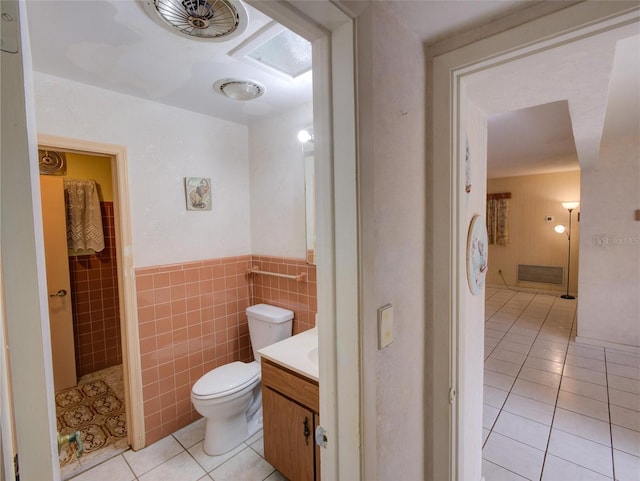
<point x="229" y="397"/>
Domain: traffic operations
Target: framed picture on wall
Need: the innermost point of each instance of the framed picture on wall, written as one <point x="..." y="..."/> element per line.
<point x="477" y="251"/>
<point x="198" y="193"/>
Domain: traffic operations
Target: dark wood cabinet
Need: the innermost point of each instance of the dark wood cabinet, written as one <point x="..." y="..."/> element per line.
<point x="290" y="405"/>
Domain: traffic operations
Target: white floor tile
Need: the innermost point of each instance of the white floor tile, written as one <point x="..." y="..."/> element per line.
<point x="535" y="391"/>
<point x="625" y="359"/>
<point x="583" y="452"/>
<point x="557" y="469"/>
<point x="624" y="399"/>
<point x="582" y="374"/>
<point x="627" y="466"/>
<point x="152" y="456"/>
<point x="544" y="364"/>
<point x="626" y="440"/>
<point x="509" y="356"/>
<point x="552" y="345"/>
<point x="258" y="446"/>
<point x="522" y="429"/>
<point x="485" y="435"/>
<point x="624" y="417"/>
<point x="585" y="362"/>
<point x="503" y="367"/>
<point x="489" y="415"/>
<point x="493" y="396"/>
<point x="182" y="467"/>
<point x="583" y="426"/>
<point x="632" y="372"/>
<point x="497" y="380"/>
<point x="514" y="346"/>
<point x="541" y="377"/>
<point x="191" y="434"/>
<point x="116" y="469"/>
<point x="514" y="456"/>
<point x="549" y="354"/>
<point x="276" y="476"/>
<point x="585" y="351"/>
<point x="623" y="383"/>
<point x="244" y="466"/>
<point x="529" y="408"/>
<point x="519" y="338"/>
<point x="583" y="405"/>
<point x="584" y="389"/>
<point x="209" y="463"/>
<point x="493" y="472"/>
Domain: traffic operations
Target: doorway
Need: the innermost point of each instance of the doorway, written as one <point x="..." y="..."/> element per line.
<point x="81" y="248"/>
<point x="460" y="342"/>
<point x="102" y="296"/>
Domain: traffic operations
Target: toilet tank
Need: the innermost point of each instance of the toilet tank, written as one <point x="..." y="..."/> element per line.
<point x="268" y="325"/>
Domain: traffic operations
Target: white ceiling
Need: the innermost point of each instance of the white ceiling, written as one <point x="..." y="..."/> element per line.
<point x="113" y="44"/>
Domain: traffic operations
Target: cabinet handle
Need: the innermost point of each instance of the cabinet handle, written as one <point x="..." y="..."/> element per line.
<point x="306" y="430"/>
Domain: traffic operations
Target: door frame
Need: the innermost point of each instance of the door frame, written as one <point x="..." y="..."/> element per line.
<point x="332" y="34"/>
<point x="126" y="275"/>
<point x="576" y="22"/>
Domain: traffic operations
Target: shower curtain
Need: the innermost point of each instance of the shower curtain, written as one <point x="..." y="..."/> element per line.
<point x="84" y="218"/>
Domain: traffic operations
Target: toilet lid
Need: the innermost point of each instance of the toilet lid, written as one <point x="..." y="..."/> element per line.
<point x="226" y="379"/>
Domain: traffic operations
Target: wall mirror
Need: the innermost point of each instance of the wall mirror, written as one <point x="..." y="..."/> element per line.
<point x="306" y="139"/>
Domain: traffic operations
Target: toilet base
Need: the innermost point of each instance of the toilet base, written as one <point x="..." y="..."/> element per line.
<point x="220" y="438"/>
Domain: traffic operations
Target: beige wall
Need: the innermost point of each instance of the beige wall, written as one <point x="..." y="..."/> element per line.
<point x="392" y="212"/>
<point x="609" y="306"/>
<point x="532" y="240"/>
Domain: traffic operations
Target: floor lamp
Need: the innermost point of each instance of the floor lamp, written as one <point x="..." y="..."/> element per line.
<point x="560" y="229"/>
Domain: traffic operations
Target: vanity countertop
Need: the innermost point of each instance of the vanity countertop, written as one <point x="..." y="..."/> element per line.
<point x="298" y="353"/>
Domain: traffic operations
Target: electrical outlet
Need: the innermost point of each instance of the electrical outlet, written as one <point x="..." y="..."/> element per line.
<point x="499" y="271"/>
<point x="548" y="219"/>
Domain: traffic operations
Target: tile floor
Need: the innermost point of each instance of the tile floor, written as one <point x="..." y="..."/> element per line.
<point x="555" y="410"/>
<point x="180" y="457"/>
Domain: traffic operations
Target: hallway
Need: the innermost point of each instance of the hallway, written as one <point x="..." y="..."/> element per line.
<point x="555" y="410"/>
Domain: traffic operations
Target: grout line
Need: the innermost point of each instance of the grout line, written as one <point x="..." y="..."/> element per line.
<point x="606" y="377"/>
<point x="555" y="406"/>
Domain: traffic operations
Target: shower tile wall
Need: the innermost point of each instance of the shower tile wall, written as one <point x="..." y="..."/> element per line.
<point x="94" y="294"/>
<point x="192" y="319"/>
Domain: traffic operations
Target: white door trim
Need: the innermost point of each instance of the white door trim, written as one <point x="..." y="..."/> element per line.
<point x="449" y="70"/>
<point x="126" y="275"/>
<point x="332" y="35"/>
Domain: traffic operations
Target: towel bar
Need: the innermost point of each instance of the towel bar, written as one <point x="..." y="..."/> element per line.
<point x="299" y="277"/>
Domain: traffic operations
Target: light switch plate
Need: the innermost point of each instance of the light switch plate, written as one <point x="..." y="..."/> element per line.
<point x="385" y="326"/>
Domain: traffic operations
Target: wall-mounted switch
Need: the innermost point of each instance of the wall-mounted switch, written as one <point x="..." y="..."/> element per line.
<point x="385" y="326"/>
<point x="548" y="219"/>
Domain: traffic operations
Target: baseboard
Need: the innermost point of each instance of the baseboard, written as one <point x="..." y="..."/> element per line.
<point x="611" y="345"/>
<point x="529" y="290"/>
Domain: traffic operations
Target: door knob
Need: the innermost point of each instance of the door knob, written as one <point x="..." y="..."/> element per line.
<point x="60" y="293"/>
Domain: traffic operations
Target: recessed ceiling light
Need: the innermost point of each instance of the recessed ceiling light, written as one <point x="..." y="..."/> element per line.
<point x="239" y="89"/>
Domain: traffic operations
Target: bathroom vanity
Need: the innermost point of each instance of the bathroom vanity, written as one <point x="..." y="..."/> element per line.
<point x="290" y="406"/>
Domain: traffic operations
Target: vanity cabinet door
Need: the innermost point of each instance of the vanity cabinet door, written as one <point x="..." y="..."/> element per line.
<point x="288" y="436"/>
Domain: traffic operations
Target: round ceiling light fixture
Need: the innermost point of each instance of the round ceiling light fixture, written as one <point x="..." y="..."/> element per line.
<point x="239" y="89"/>
<point x="212" y="20"/>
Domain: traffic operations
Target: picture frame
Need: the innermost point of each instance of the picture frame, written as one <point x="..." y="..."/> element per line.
<point x="477" y="254"/>
<point x="198" y="193"/>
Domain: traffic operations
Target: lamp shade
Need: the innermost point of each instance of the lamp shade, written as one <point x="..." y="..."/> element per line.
<point x="560" y="229"/>
<point x="570" y="205"/>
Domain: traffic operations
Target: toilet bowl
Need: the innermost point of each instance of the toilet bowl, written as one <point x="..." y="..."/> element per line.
<point x="230" y="396"/>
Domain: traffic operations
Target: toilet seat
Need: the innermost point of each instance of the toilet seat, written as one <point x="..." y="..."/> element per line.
<point x="225" y="380"/>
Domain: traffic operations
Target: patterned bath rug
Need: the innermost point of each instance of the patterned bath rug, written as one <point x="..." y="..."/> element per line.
<point x="94" y="409"/>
